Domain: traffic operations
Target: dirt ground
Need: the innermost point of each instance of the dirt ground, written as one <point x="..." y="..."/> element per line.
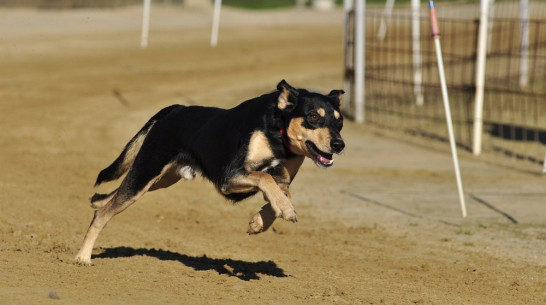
<point x="382" y="226"/>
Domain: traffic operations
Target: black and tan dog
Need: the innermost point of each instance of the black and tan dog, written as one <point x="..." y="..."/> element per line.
<point x="257" y="146"/>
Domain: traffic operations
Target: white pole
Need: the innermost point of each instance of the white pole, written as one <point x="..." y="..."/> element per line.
<point x="348" y="60"/>
<point x="417" y="61"/>
<point x="347" y="5"/>
<point x="145" y="23"/>
<point x="360" y="65"/>
<point x="480" y="78"/>
<point x="524" y="62"/>
<point x="436" y="36"/>
<point x="382" y="31"/>
<point x="215" y="23"/>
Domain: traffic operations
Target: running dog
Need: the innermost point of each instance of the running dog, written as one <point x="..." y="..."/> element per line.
<point x="257" y="146"/>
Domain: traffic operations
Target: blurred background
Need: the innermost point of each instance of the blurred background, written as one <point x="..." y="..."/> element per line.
<point x="402" y="86"/>
<point x="514" y="110"/>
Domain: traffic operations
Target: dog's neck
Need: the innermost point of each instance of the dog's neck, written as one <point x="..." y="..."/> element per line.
<point x="284" y="138"/>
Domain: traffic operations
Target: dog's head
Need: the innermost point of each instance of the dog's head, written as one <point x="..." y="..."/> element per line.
<point x="313" y="123"/>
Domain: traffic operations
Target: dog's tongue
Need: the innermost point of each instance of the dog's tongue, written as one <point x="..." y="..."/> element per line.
<point x="324" y="160"/>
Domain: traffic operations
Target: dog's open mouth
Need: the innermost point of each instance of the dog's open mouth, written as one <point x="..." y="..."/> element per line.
<point x="321" y="158"/>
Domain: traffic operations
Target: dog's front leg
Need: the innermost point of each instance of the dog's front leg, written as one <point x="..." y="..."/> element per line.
<point x="262" y="220"/>
<point x="254" y="181"/>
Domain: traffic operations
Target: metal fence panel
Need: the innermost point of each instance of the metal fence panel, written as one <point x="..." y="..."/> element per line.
<point x="514" y="116"/>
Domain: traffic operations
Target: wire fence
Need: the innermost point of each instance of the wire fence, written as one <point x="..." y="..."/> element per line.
<point x="514" y="108"/>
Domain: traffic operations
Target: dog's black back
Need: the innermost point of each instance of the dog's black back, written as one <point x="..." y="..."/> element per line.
<point x="212" y="140"/>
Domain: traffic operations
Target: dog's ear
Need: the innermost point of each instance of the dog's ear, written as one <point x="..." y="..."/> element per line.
<point x="288" y="97"/>
<point x="336" y="94"/>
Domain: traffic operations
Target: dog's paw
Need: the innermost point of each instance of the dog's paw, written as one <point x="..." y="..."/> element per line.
<point x="255" y="225"/>
<point x="83" y="261"/>
<point x="285" y="210"/>
<point x="289" y="215"/>
<point x="262" y="220"/>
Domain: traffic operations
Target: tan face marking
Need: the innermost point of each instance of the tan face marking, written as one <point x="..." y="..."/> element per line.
<point x="336" y="114"/>
<point x="321" y="112"/>
<point x="259" y="151"/>
<point x="298" y="135"/>
<point x="320" y="137"/>
<point x="295" y="134"/>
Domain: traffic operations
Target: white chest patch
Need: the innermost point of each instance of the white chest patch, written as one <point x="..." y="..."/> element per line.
<point x="271" y="165"/>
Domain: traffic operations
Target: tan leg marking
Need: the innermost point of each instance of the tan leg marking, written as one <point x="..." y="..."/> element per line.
<point x="169" y="176"/>
<point x="262" y="220"/>
<point x="259" y="181"/>
<point x="100" y="203"/>
<point x="292" y="165"/>
<point x="114" y="206"/>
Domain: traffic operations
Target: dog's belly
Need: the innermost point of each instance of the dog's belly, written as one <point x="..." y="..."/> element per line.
<point x="239" y="196"/>
<point x="186" y="172"/>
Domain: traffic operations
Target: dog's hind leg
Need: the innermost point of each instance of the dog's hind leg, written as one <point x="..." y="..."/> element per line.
<point x="100" y="200"/>
<point x="139" y="180"/>
<point x="169" y="177"/>
<point x="116" y="205"/>
<point x="119" y="201"/>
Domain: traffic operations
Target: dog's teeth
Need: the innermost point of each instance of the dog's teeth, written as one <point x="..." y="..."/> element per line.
<point x="325" y="160"/>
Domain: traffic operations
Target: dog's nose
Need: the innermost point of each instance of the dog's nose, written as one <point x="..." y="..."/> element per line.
<point x="337" y="145"/>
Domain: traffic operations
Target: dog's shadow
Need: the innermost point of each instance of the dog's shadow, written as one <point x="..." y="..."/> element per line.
<point x="243" y="270"/>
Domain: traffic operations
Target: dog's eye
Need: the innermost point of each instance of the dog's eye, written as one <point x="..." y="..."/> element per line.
<point x="313" y="117"/>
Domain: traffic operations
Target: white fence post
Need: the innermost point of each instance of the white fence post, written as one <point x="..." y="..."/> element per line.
<point x="382" y="31"/>
<point x="348" y="61"/>
<point x="360" y="60"/>
<point x="480" y="78"/>
<point x="417" y="61"/>
<point x="145" y="23"/>
<point x="215" y="23"/>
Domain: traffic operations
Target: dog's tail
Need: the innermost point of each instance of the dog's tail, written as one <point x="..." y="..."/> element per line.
<point x="129" y="153"/>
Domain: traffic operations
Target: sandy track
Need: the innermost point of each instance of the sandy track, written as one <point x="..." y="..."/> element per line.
<point x="381" y="226"/>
